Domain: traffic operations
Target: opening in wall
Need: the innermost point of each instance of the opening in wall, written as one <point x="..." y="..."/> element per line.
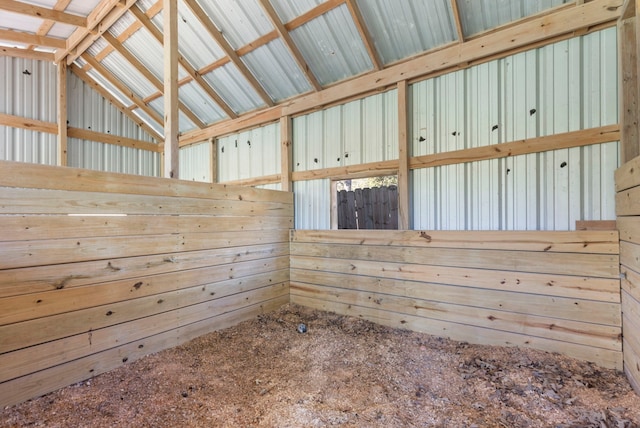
<point x="366" y="203"/>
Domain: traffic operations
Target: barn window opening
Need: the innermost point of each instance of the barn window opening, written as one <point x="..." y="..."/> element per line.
<point x="367" y="203"/>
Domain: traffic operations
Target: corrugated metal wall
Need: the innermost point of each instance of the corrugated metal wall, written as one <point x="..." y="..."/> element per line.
<point x="89" y="110"/>
<point x="195" y="162"/>
<point x="566" y="86"/>
<point x="28" y="90"/>
<point x="249" y="154"/>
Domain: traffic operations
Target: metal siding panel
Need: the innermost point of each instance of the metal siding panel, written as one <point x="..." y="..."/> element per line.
<point x="195" y="162"/>
<point x="312" y="204"/>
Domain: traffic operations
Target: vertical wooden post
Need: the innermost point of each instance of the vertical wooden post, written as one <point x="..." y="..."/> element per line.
<point x="628" y="57"/>
<point x="286" y="153"/>
<point x="171" y="128"/>
<point x="403" y="156"/>
<point x="213" y="159"/>
<point x="62" y="113"/>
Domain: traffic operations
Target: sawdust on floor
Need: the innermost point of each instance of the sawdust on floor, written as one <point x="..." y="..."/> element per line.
<point x="342" y="371"/>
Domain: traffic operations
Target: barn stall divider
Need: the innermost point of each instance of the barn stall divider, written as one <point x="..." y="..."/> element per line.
<point x="628" y="212"/>
<point x="98" y="269"/>
<point x="553" y="291"/>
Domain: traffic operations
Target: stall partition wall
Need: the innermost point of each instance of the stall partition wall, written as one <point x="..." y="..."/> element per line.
<point x="98" y="269"/>
<point x="628" y="210"/>
<point x="553" y="291"/>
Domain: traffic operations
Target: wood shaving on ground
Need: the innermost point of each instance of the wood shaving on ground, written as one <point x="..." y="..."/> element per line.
<point x="342" y="371"/>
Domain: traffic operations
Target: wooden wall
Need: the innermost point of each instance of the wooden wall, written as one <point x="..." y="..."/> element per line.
<point x="628" y="211"/>
<point x="99" y="269"/>
<point x="555" y="291"/>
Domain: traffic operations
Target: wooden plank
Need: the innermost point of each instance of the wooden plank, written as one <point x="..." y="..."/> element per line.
<point x="26" y="53"/>
<point x="628" y="175"/>
<point x="255" y="181"/>
<point x="580" y="138"/>
<point x="25" y="175"/>
<point x="628" y="202"/>
<point x="18" y="254"/>
<point x="631" y="282"/>
<point x="596" y="265"/>
<point x="404" y="221"/>
<point x="43" y="13"/>
<point x="630" y="255"/>
<point x="533" y="283"/>
<point x="349" y="171"/>
<point x="37" y="305"/>
<point x="472" y="313"/>
<point x="30" y="124"/>
<point x="628" y="93"/>
<point x="85" y="134"/>
<point x="629" y="229"/>
<point x="596" y="225"/>
<point x="593" y="242"/>
<point x="56" y="377"/>
<point x="36" y="227"/>
<point x="466" y="333"/>
<point x="32" y="39"/>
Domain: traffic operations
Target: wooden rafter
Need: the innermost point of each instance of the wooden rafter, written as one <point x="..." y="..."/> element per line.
<point x="229" y="51"/>
<point x="43" y="13"/>
<point x="33" y="39"/>
<point x="456" y="19"/>
<point x="193" y="73"/>
<point x="365" y="35"/>
<point x="138" y="65"/>
<point x="538" y="31"/>
<point x="99" y="21"/>
<point x="60" y="6"/>
<point x="139" y="103"/>
<point x="288" y="42"/>
<point x="84" y="76"/>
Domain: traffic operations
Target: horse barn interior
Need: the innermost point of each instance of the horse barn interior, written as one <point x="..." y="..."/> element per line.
<point x="170" y="168"/>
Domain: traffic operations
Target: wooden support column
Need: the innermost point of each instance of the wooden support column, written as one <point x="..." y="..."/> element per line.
<point x="213" y="159"/>
<point x="628" y="57"/>
<point x="171" y="128"/>
<point x="286" y="153"/>
<point x="62" y="113"/>
<point x="403" y="156"/>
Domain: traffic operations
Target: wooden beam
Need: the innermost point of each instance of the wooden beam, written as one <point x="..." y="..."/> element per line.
<point x="62" y="114"/>
<point x="193" y="73"/>
<point x="286" y="153"/>
<point x="456" y="19"/>
<point x="213" y="160"/>
<point x="144" y="70"/>
<point x="171" y="126"/>
<point x="26" y="53"/>
<point x="535" y="32"/>
<point x="30" y="124"/>
<point x="104" y="15"/>
<point x="312" y="14"/>
<point x="628" y="88"/>
<point x="289" y="43"/>
<point x="85" y="134"/>
<point x="122" y="88"/>
<point x="358" y="20"/>
<point x="363" y="170"/>
<point x="33" y="39"/>
<point x="256" y="181"/>
<point x="43" y="13"/>
<point x="403" y="156"/>
<point x="628" y="9"/>
<point x="586" y="137"/>
<point x="229" y="51"/>
<point x="116" y="102"/>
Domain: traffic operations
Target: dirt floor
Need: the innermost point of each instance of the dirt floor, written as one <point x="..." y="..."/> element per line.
<point x="342" y="371"/>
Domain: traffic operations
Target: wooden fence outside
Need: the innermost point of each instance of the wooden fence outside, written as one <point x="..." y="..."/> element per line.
<point x="375" y="208"/>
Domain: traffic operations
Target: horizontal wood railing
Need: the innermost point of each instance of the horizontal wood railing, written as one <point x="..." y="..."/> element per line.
<point x="555" y="291"/>
<point x="98" y="269"/>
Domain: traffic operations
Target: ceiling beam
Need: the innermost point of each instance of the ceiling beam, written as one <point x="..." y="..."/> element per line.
<point x="31" y="39"/>
<point x="565" y="22"/>
<point x="356" y="15"/>
<point x="229" y="51"/>
<point x="312" y="14"/>
<point x="26" y="53"/>
<point x="288" y="42"/>
<point x="457" y="21"/>
<point x="124" y="89"/>
<point x="60" y="5"/>
<point x="99" y="21"/>
<point x="43" y="13"/>
<point x="85" y="77"/>
<point x="193" y="73"/>
<point x="144" y="70"/>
